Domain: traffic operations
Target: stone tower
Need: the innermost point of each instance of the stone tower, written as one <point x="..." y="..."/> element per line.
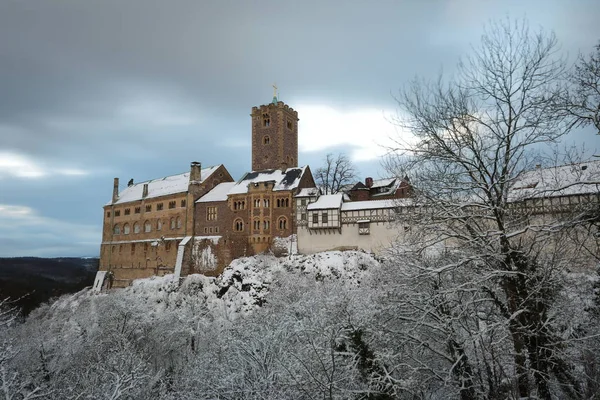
<point x="274" y="136"/>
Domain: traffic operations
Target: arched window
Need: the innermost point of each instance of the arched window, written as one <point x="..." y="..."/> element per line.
<point x="173" y="222"/>
<point x="158" y="225"/>
<point x="117" y="230"/>
<point x="147" y="226"/>
<point x="256" y="224"/>
<point x="266" y="203"/>
<point x="267" y="224"/>
<point x="126" y="229"/>
<point x="282" y="223"/>
<point x="136" y="228"/>
<point x="238" y="225"/>
<point x="266" y="139"/>
<point x="266" y="120"/>
<point x="178" y="222"/>
<point x="278" y="203"/>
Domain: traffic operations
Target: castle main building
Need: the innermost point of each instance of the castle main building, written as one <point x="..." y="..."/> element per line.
<point x="198" y="221"/>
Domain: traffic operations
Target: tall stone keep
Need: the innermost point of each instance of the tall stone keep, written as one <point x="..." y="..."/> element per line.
<point x="274" y="136"/>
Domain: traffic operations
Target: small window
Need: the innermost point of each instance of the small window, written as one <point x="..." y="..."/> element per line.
<point x="210" y="230"/>
<point x="256" y="203"/>
<point x="211" y="213"/>
<point x="266" y="202"/>
<point x="315" y="218"/>
<point x="324" y="217"/>
<point x="266" y="139"/>
<point x="364" y="228"/>
<point x="120" y="248"/>
<point x="159" y="207"/>
<point x="303" y="202"/>
<point x="256" y="225"/>
<point x="118" y="213"/>
<point x="303" y="217"/>
<point x="117" y="230"/>
<point x="147" y="226"/>
<point x="108" y="214"/>
<point x="148" y="207"/>
<point x="137" y="210"/>
<point x="172" y="204"/>
<point x="158" y="225"/>
<point x="127" y="211"/>
<point x="205" y="229"/>
<point x="238" y="225"/>
<point x="178" y="222"/>
<point x="266" y="120"/>
<point x="290" y="125"/>
<point x="136" y="228"/>
<point x="182" y="203"/>
<point x="126" y="229"/>
<point x="216" y="229"/>
<point x="282" y="223"/>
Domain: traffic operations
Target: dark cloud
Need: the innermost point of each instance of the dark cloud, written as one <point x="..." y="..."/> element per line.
<point x="141" y="88"/>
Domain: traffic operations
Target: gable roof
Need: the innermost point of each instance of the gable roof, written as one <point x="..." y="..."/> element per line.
<point x="218" y="193"/>
<point x="283" y="180"/>
<point x="327" y="201"/>
<point x="162" y="186"/>
<point x="564" y="180"/>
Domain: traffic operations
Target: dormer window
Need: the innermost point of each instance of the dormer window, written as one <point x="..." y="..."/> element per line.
<point x="266" y="140"/>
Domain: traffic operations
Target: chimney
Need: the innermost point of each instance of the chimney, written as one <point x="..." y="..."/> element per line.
<point x="115" y="190"/>
<point x="369" y="182"/>
<point x="195" y="172"/>
<point x="145" y="191"/>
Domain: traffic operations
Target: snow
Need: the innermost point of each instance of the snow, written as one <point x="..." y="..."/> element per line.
<point x="162" y="186"/>
<point x="218" y="193"/>
<point x="308" y="192"/>
<point x="375" y="204"/>
<point x="283" y="180"/>
<point x="244" y="284"/>
<point x="563" y="180"/>
<point x="326" y="202"/>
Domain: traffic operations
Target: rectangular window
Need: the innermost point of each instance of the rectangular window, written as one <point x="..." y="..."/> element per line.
<point x="118" y="213"/>
<point x="324" y="217"/>
<point x="216" y="229"/>
<point x="159" y="207"/>
<point x="303" y="202"/>
<point x="211" y="213"/>
<point x="315" y="218"/>
<point x="303" y="217"/>
<point x="182" y="203"/>
<point x="364" y="228"/>
<point x="172" y="204"/>
<point x="138" y="210"/>
<point x="108" y="214"/>
<point x="127" y="211"/>
<point x="148" y="207"/>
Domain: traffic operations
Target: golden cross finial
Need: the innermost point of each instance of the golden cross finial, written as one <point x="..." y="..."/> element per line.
<point x="274" y="90"/>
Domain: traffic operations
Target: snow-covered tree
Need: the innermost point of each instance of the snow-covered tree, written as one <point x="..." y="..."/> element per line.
<point x="473" y="136"/>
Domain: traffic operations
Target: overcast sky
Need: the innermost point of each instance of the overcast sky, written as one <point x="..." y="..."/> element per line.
<point x="93" y="89"/>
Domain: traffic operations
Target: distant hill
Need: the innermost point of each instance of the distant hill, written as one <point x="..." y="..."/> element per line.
<point x="31" y="281"/>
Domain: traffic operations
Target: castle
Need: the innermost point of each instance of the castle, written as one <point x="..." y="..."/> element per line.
<point x="201" y="220"/>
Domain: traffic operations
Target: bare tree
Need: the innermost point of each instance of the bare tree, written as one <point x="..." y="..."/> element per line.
<point x="582" y="101"/>
<point x="474" y="135"/>
<point x="336" y="172"/>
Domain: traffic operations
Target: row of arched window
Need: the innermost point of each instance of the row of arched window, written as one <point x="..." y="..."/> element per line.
<point x="174" y="223"/>
<point x="283" y="202"/>
<point x="238" y="224"/>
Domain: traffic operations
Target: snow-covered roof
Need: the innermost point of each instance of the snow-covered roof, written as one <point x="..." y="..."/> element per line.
<point x="308" y="192"/>
<point x="283" y="180"/>
<point x="564" y="180"/>
<point x="162" y="186"/>
<point x="326" y="202"/>
<point x="375" y="204"/>
<point x="383" y="182"/>
<point x="218" y="193"/>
